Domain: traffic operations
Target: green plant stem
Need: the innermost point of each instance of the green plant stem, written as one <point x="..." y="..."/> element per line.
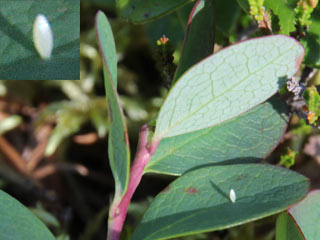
<point x="118" y="211"/>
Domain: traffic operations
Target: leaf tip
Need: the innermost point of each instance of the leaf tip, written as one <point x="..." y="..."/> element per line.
<point x="197" y="6"/>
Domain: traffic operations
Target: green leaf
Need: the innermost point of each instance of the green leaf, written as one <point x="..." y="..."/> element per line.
<point x="199" y="200"/>
<point x="198" y="41"/>
<point x="287" y="159"/>
<point x="244" y="4"/>
<point x="247" y="138"/>
<point x="17" y="222"/>
<point x="70" y="116"/>
<point x="19" y="59"/>
<point x="63" y="236"/>
<point x="312" y="98"/>
<point x="118" y="145"/>
<point x="312" y="40"/>
<point x="286" y="229"/>
<point x="101" y="3"/>
<point x="228" y="83"/>
<point x="284" y="9"/>
<point x="46" y="217"/>
<point x="140" y="11"/>
<point x="226" y="17"/>
<point x="107" y="45"/>
<point x="307" y="214"/>
<point x="9" y="123"/>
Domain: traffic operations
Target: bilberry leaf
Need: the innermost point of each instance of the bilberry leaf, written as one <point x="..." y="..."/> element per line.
<point x="140" y="11"/>
<point x="286" y="228"/>
<point x="118" y="145"/>
<point x="18" y="222"/>
<point x="228" y="83"/>
<point x="307" y="214"/>
<point x="199" y="201"/>
<point x="198" y="41"/>
<point x="249" y="137"/>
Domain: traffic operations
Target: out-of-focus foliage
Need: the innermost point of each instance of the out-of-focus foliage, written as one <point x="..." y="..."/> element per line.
<point x="71" y="114"/>
<point x="286" y="228"/>
<point x="303" y="11"/>
<point x="312" y="97"/>
<point x="45" y="216"/>
<point x="298" y="18"/>
<point x="301" y="128"/>
<point x="9" y="123"/>
<point x="288" y="158"/>
<point x="256" y="9"/>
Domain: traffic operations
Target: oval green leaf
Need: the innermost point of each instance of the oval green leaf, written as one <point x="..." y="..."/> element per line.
<point x="140" y="11"/>
<point x="17" y="222"/>
<point x="247" y="138"/>
<point x="286" y="229"/>
<point x="118" y="145"/>
<point x="226" y="17"/>
<point x="199" y="200"/>
<point x="198" y="41"/>
<point x="307" y="215"/>
<point x="228" y="83"/>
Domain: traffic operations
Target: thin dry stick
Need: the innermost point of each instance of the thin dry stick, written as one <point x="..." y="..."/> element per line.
<point x="38" y="152"/>
<point x="13" y="156"/>
<point x="52" y="168"/>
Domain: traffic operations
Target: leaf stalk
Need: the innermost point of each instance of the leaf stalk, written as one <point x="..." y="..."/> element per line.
<point x="118" y="210"/>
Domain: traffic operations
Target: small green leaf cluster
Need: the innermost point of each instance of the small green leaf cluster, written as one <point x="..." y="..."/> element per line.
<point x="257" y="9"/>
<point x="303" y="11"/>
<point x="312" y="98"/>
<point x="301" y="128"/>
<point x="287" y="159"/>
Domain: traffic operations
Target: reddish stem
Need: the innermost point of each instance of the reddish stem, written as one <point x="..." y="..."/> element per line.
<point x="119" y="210"/>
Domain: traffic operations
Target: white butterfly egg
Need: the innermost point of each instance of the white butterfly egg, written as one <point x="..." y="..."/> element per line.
<point x="42" y="36"/>
<point x="232" y="195"/>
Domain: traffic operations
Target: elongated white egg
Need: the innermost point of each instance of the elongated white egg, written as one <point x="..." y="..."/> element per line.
<point x="42" y="36"/>
<point x="232" y="195"/>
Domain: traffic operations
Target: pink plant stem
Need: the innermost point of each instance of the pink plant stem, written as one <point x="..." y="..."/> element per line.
<point x="119" y="210"/>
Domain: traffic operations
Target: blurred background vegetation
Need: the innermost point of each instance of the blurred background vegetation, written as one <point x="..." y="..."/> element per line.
<point x="53" y="134"/>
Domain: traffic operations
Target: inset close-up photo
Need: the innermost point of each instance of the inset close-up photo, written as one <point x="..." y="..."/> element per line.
<point x="40" y="40"/>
